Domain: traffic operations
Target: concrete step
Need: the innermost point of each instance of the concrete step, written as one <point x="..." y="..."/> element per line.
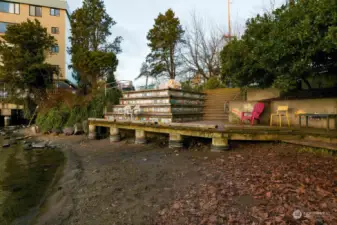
<point x="210" y="118"/>
<point x="214" y="111"/>
<point x="315" y="144"/>
<point x="214" y="108"/>
<point x="215" y="115"/>
<point x="215" y="119"/>
<point x="214" y="99"/>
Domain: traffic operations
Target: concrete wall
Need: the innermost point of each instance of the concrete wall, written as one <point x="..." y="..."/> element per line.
<point x="254" y="94"/>
<point x="327" y="105"/>
<point x="236" y="107"/>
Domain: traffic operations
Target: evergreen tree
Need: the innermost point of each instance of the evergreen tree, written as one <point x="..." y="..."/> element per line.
<point x="93" y="57"/>
<point x="164" y="38"/>
<point x="23" y="69"/>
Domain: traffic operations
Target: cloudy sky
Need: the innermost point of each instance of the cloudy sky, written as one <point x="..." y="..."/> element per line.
<point x="136" y="17"/>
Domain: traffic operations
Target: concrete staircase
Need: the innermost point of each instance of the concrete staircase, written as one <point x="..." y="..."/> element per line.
<point x="215" y="101"/>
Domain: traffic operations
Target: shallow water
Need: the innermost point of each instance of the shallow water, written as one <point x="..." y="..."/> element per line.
<point x="24" y="179"/>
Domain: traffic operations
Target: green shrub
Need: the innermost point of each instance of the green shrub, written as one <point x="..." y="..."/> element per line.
<point x="55" y="118"/>
<point x="61" y="116"/>
<point x="99" y="101"/>
<point x="77" y="115"/>
<point x="187" y="86"/>
<point x="213" y="83"/>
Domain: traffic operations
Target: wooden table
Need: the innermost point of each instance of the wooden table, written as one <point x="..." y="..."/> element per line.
<point x="326" y="115"/>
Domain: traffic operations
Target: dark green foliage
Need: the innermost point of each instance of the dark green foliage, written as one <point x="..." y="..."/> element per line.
<point x="93" y="57"/>
<point x="113" y="96"/>
<point x="61" y="116"/>
<point x="293" y="44"/>
<point x="77" y="115"/>
<point x="55" y="118"/>
<point x="97" y="104"/>
<point x="24" y="50"/>
<point x="164" y="38"/>
<point x="187" y="86"/>
<point x="212" y="83"/>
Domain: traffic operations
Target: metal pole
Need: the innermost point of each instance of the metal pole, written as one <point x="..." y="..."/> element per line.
<point x="229" y="20"/>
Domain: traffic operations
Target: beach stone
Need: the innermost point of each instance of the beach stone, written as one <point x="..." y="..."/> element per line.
<point x="6" y="144"/>
<point x="39" y="145"/>
<point x="11" y="128"/>
<point x="12" y="141"/>
<point x="56" y="131"/>
<point x="35" y="129"/>
<point x="19" y="138"/>
<point x="68" y="131"/>
<point x="27" y="146"/>
<point x="52" y="146"/>
<point x="78" y="129"/>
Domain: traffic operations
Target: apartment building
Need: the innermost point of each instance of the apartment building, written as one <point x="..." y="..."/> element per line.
<point x="54" y="15"/>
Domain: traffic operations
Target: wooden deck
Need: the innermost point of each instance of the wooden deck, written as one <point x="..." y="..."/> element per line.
<point x="219" y="132"/>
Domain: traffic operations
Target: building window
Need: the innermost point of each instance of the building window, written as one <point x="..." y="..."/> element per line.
<point x="9" y="7"/>
<point x="35" y="10"/>
<point x="55" y="49"/>
<point x="54" y="12"/>
<point x="3" y="27"/>
<point x="55" y="30"/>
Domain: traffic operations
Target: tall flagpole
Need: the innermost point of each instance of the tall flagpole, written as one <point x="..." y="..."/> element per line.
<point x="229" y="19"/>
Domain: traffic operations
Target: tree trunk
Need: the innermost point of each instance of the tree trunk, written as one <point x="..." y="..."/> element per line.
<point x="172" y="72"/>
<point x="147" y="77"/>
<point x="94" y="83"/>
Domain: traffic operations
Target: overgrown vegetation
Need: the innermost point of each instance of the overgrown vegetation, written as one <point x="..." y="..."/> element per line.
<point x="93" y="56"/>
<point x="74" y="110"/>
<point x="212" y="83"/>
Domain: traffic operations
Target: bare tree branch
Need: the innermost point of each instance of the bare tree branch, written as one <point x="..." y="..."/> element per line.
<point x="202" y="48"/>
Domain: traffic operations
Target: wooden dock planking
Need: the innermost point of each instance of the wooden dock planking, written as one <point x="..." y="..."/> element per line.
<point x="220" y="133"/>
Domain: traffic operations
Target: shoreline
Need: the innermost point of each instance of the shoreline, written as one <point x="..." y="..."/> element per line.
<point x="58" y="204"/>
<point x="29" y="176"/>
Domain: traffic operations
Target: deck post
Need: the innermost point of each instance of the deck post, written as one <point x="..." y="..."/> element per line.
<point x="92" y="132"/>
<point x="219" y="144"/>
<point x="7" y="121"/>
<point x="114" y="134"/>
<point x="140" y="137"/>
<point x="176" y="141"/>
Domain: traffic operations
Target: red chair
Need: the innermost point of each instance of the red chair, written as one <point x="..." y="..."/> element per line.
<point x="254" y="115"/>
